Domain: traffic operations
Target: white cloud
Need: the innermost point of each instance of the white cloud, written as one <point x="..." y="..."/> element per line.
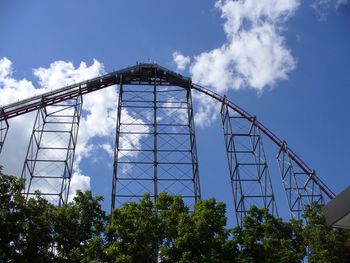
<point x="108" y="148"/>
<point x="98" y="118"/>
<point x="254" y="55"/>
<point x="5" y="68"/>
<point x="61" y="73"/>
<point x="133" y="140"/>
<point x="98" y="108"/>
<point x="78" y="182"/>
<point x="323" y="7"/>
<point x="181" y="61"/>
<point x="207" y="110"/>
<point x="13" y="90"/>
<point x="58" y="74"/>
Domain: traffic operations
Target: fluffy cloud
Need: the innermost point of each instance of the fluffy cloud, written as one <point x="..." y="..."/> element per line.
<point x="78" y="182"/>
<point x="98" y="119"/>
<point x="12" y="89"/>
<point x="98" y="109"/>
<point x="254" y="54"/>
<point x="181" y="61"/>
<point x="206" y="110"/>
<point x="58" y="74"/>
<point x="17" y="140"/>
<point x="61" y="73"/>
<point x="322" y="7"/>
<point x="108" y="149"/>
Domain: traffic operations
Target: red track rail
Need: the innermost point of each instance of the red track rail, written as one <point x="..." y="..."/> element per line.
<point x="138" y="75"/>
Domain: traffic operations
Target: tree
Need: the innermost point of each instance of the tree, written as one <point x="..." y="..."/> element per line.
<point x="324" y="244"/>
<point x="198" y="236"/>
<point x="264" y="238"/>
<point x="167" y="231"/>
<point x="25" y="228"/>
<point x="78" y="226"/>
<point x="11" y="216"/>
<point x="37" y="238"/>
<point x="162" y="231"/>
<point x="29" y="230"/>
<point x="133" y="233"/>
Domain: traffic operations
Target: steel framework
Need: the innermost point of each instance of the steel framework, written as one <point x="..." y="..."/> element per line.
<point x="48" y="166"/>
<point x="299" y="187"/>
<point x="249" y="172"/>
<point x="4" y="126"/>
<point x="155" y="143"/>
<point x="147" y="94"/>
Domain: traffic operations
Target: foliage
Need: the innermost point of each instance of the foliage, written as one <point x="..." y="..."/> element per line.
<point x="37" y="237"/>
<point x="169" y="232"/>
<point x="77" y="226"/>
<point x="11" y="215"/>
<point x="162" y="231"/>
<point x="324" y="244"/>
<point x="36" y="228"/>
<point x="197" y="236"/>
<point x="133" y="233"/>
<point x="264" y="238"/>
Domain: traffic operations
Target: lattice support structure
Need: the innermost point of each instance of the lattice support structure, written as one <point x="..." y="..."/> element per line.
<point x="155" y="149"/>
<point x="299" y="186"/>
<point x="249" y="173"/>
<point x="4" y="126"/>
<point x="48" y="166"/>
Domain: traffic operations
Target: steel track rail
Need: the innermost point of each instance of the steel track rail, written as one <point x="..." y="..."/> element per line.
<point x="139" y="75"/>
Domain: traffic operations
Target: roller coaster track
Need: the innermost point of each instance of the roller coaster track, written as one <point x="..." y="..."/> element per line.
<point x="140" y="75"/>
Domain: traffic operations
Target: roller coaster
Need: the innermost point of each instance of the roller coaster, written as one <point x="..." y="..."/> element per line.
<point x="155" y="144"/>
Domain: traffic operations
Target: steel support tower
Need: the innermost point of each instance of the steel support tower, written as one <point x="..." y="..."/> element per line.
<point x="299" y="186"/>
<point x="48" y="165"/>
<point x="155" y="149"/>
<point x="4" y="126"/>
<point x="249" y="172"/>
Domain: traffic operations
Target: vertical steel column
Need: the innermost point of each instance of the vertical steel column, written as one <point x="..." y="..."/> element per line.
<point x="249" y="173"/>
<point x="155" y="145"/>
<point x="48" y="166"/>
<point x="193" y="146"/>
<point x="299" y="187"/>
<point x="4" y="126"/>
<point x="116" y="147"/>
<point x="155" y="149"/>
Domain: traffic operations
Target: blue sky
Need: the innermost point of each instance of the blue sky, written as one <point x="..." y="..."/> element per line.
<point x="303" y="97"/>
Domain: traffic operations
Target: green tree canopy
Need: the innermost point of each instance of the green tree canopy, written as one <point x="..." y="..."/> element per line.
<point x="78" y="226"/>
<point x="264" y="238"/>
<point x="166" y="230"/>
<point x="324" y="244"/>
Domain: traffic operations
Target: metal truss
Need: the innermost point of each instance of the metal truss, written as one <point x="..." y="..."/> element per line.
<point x="249" y="173"/>
<point x="155" y="149"/>
<point x="4" y="126"/>
<point x="48" y="165"/>
<point x="299" y="186"/>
